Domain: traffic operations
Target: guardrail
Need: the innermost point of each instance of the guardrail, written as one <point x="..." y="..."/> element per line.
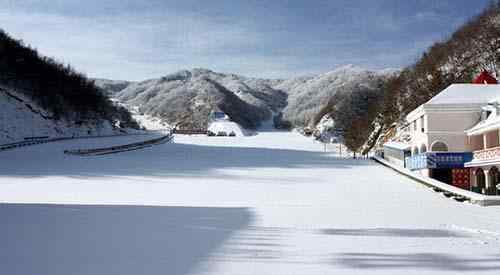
<point x="120" y="148"/>
<point x="31" y="141"/>
<point x="15" y="145"/>
<point x="190" y="131"/>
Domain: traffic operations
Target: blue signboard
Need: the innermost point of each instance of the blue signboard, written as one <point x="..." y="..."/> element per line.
<point x="438" y="160"/>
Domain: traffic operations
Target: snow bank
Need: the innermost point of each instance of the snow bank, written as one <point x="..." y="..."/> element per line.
<point x="20" y="118"/>
<point x="227" y="127"/>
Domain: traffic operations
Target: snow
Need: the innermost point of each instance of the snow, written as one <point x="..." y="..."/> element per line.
<point x="397" y="145"/>
<point x="272" y="203"/>
<point x="226" y="127"/>
<point x="18" y="121"/>
<point x="466" y="94"/>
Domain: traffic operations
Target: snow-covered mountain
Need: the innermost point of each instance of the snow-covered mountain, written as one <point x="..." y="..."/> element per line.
<point x="111" y="87"/>
<point x="308" y="95"/>
<point x="186" y="98"/>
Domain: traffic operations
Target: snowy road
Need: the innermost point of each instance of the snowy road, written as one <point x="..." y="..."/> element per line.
<point x="268" y="204"/>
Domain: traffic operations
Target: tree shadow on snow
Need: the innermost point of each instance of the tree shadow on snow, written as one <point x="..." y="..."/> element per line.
<point x="61" y="240"/>
<point x="412" y="261"/>
<point x="179" y="160"/>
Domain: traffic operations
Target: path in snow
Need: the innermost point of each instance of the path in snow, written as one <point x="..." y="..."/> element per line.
<point x="273" y="203"/>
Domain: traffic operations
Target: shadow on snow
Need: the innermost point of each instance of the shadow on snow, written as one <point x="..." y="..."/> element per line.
<point x="424" y="261"/>
<point x="395" y="232"/>
<point x="61" y="240"/>
<point x="180" y="160"/>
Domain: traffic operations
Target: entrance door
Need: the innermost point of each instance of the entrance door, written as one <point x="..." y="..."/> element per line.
<point x="480" y="181"/>
<point x="442" y="175"/>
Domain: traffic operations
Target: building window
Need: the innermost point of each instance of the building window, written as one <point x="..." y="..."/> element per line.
<point x="439" y="146"/>
<point x="423" y="148"/>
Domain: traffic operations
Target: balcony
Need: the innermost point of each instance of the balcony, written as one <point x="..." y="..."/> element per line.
<point x="487" y="154"/>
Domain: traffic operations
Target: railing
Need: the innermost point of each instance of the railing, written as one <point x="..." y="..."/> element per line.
<point x="488" y="154"/>
<point x="121" y="148"/>
<point x="190" y="131"/>
<point x="438" y="160"/>
<point x="29" y="141"/>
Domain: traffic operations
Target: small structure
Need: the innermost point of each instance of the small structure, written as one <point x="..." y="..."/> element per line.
<point x="396" y="152"/>
<point x="485" y="78"/>
<point x="219" y="124"/>
<point x="218" y="116"/>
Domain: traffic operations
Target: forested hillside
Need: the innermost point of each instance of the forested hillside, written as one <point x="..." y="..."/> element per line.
<point x="58" y="89"/>
<point x="474" y="47"/>
<point x="185" y="98"/>
<point x="364" y="117"/>
<point x="54" y="86"/>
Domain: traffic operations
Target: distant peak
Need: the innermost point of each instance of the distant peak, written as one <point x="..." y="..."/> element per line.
<point x="201" y="71"/>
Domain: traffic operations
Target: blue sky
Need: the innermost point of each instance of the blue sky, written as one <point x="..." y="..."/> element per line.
<point x="140" y="39"/>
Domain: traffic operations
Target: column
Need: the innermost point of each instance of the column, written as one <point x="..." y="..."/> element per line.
<point x="498" y="137"/>
<point x="485" y="141"/>
<point x="487" y="180"/>
<point x="473" y="182"/>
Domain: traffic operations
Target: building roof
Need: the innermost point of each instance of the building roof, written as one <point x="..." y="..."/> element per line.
<point x="397" y="145"/>
<point x="484" y="126"/>
<point x="466" y="94"/>
<point x="485" y="78"/>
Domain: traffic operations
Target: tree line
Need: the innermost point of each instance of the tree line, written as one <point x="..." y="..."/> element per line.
<point x="56" y="87"/>
<point x="364" y="114"/>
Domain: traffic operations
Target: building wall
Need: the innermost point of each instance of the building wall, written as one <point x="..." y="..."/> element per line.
<point x="443" y="125"/>
<point x="443" y="121"/>
<point x="456" y="142"/>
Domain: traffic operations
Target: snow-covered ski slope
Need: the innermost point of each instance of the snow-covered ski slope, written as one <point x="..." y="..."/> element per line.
<point x="273" y="203"/>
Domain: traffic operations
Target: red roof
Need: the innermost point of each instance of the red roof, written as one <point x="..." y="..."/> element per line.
<point x="485" y="78"/>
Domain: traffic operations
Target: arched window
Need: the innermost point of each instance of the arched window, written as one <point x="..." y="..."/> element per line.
<point x="423" y="148"/>
<point x="439" y="146"/>
<point x="414" y="151"/>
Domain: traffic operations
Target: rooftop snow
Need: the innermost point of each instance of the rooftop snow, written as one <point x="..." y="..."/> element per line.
<point x="397" y="145"/>
<point x="466" y="94"/>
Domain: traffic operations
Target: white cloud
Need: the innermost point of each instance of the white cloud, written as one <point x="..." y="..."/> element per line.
<point x="127" y="47"/>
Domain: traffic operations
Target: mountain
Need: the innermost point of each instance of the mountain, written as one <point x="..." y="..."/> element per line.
<point x="111" y="87"/>
<point x="308" y="95"/>
<point x="186" y="98"/>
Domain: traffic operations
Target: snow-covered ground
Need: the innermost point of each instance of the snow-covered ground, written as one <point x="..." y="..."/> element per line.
<point x="273" y="203"/>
